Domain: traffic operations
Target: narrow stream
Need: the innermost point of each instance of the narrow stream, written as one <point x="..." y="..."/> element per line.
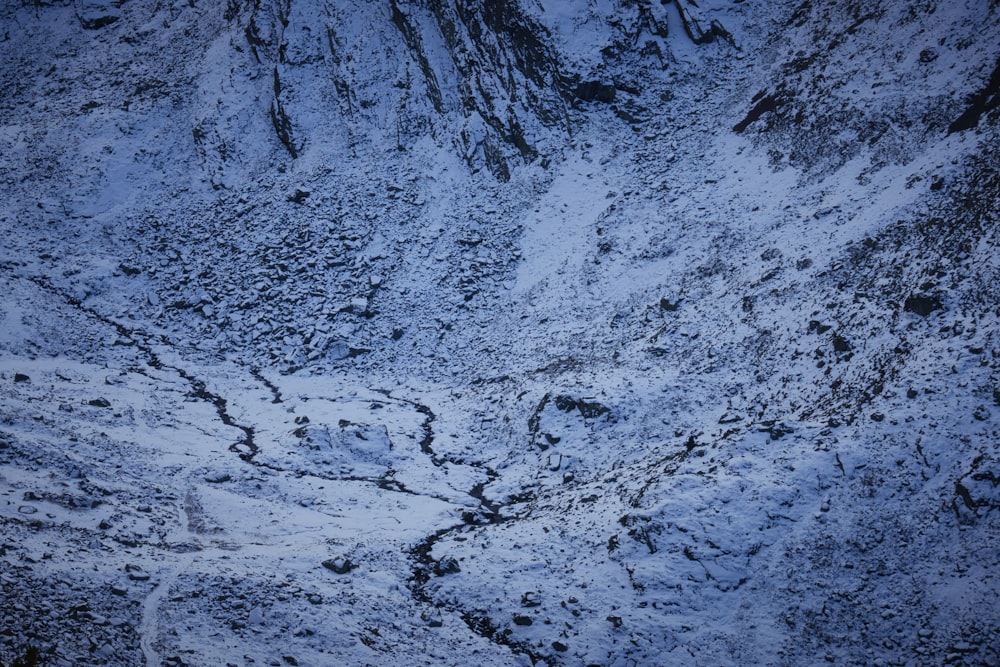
<point x="424" y="566"/>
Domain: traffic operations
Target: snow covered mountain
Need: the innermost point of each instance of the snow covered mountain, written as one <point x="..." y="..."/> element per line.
<point x="531" y="332"/>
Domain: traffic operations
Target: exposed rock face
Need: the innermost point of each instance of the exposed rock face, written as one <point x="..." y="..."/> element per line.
<point x="504" y="75"/>
<point x="810" y="86"/>
<point x="96" y="14"/>
<point x="492" y="69"/>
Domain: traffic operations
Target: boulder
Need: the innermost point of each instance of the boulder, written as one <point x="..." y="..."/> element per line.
<point x="339" y="565"/>
<point x="922" y="304"/>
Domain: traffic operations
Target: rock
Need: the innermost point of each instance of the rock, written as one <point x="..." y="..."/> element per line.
<point x="299" y="197"/>
<point x="339" y="565"/>
<point x="763" y="104"/>
<point x="841" y="344"/>
<point x="105" y="652"/>
<point x="94" y="14"/>
<point x="21" y="377"/>
<point x="981" y="102"/>
<point x="447" y="565"/>
<point x="668" y="306"/>
<point x="595" y="91"/>
<point x="815" y="326"/>
<point x="432" y="618"/>
<point x="559" y="646"/>
<point x="588" y="409"/>
<point x="531" y="599"/>
<point x="980" y="487"/>
<point x="922" y="304"/>
<point x="217" y="477"/>
<point x="521" y="619"/>
<point x="256" y="616"/>
<point x="99" y="402"/>
<point x="281" y="121"/>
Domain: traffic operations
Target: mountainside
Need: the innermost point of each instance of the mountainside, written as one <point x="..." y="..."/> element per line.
<point x="521" y="332"/>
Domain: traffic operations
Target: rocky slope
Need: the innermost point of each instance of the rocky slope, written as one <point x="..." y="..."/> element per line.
<point x="515" y="333"/>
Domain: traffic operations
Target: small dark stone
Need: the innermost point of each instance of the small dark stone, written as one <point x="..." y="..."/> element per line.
<point x="21" y="377"/>
<point x="911" y="393"/>
<point x="878" y="417"/>
<point x="559" y="646"/>
<point x="615" y="621"/>
<point x="299" y="197"/>
<point x="397" y="334"/>
<point x="841" y="344"/>
<point x="665" y="304"/>
<point x="521" y="619"/>
<point x="818" y="327"/>
<point x="99" y="402"/>
<point x="290" y="660"/>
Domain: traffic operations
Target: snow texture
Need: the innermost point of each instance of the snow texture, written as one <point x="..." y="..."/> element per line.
<point x="445" y="333"/>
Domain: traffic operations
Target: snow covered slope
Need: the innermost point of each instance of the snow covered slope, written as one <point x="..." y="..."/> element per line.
<point x="431" y="332"/>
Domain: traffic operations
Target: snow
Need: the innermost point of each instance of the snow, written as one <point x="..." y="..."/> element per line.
<point x="653" y="391"/>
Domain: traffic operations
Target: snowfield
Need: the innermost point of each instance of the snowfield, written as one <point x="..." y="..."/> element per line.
<point x="432" y="333"/>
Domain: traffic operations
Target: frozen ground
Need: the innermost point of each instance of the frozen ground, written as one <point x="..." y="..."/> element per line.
<point x="420" y="334"/>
